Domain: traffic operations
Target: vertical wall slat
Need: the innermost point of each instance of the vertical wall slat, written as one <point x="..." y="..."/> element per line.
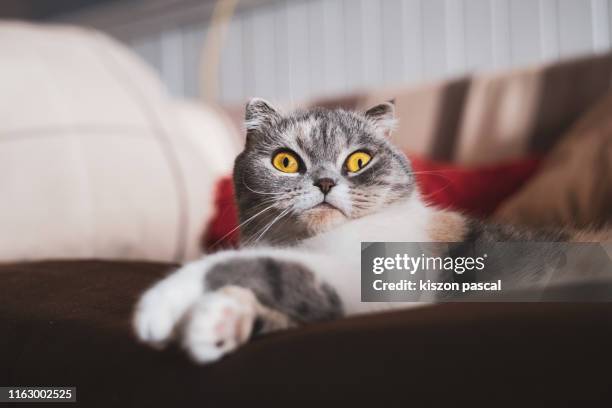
<point x="524" y="32"/>
<point x="172" y="60"/>
<point x="281" y="45"/>
<point x="334" y="60"/>
<point x="610" y="19"/>
<point x="434" y="38"/>
<point x="575" y="27"/>
<point x="392" y="41"/>
<point x="601" y="24"/>
<point x="316" y="48"/>
<point x="231" y="66"/>
<point x="549" y="29"/>
<point x="500" y="28"/>
<point x="412" y="39"/>
<point x="478" y="34"/>
<point x="249" y="54"/>
<point x="263" y="63"/>
<point x="193" y="43"/>
<point x="455" y="36"/>
<point x="352" y="43"/>
<point x="371" y="41"/>
<point x="299" y="59"/>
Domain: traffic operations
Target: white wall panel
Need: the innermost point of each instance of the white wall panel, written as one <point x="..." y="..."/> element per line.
<point x="525" y="40"/>
<point x="601" y="29"/>
<point x="434" y="38"/>
<point x="575" y="27"/>
<point x="263" y="64"/>
<point x="478" y="34"/>
<point x="392" y="44"/>
<point x="371" y="42"/>
<point x="193" y="42"/>
<point x="299" y="50"/>
<point x="549" y="29"/>
<point x="249" y="54"/>
<point x="353" y="33"/>
<point x="334" y="59"/>
<point x="610" y="20"/>
<point x="232" y="64"/>
<point x="413" y="42"/>
<point x="172" y="60"/>
<point x="316" y="48"/>
<point x="281" y="26"/>
<point x="500" y="26"/>
<point x="289" y="50"/>
<point x="454" y="36"/>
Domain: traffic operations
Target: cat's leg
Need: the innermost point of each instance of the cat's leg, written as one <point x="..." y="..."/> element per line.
<point x="213" y="304"/>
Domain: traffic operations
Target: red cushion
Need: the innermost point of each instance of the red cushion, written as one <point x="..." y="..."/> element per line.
<point x="475" y="191"/>
<point x="222" y="230"/>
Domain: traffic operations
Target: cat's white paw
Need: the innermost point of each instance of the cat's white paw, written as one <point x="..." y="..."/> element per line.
<point x="163" y="306"/>
<point x="218" y="323"/>
<point x="157" y="315"/>
<point x="153" y="321"/>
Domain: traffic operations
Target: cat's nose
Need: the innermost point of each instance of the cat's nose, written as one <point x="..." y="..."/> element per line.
<point x="325" y="184"/>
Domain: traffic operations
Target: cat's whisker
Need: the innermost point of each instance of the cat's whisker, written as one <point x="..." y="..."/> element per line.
<point x="281" y="215"/>
<point x="261" y="192"/>
<point x="256" y="236"/>
<point x="436" y="192"/>
<point x="248" y="220"/>
<point x="433" y="173"/>
<point x="265" y="201"/>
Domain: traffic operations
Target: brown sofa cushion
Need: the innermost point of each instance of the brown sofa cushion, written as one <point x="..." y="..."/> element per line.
<point x="574" y="185"/>
<point x="68" y="324"/>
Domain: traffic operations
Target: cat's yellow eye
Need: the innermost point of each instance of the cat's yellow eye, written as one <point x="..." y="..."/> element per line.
<point x="286" y="162"/>
<point x="357" y="161"/>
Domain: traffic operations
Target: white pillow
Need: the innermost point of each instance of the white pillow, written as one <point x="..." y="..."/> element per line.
<point x="96" y="161"/>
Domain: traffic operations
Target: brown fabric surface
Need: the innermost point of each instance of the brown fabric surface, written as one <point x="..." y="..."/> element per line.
<point x="67" y="323"/>
<point x="573" y="187"/>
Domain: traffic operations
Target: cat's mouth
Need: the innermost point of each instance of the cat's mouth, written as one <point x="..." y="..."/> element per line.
<point x="321" y="217"/>
<point x="326" y="207"/>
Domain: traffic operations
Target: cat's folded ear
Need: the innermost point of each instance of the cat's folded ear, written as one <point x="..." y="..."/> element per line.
<point x="383" y="117"/>
<point x="259" y="113"/>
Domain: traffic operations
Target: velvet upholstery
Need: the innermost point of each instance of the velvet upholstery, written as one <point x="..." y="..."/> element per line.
<point x="68" y="324"/>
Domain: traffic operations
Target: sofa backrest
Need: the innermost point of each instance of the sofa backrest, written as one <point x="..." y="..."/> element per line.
<point x="485" y="118"/>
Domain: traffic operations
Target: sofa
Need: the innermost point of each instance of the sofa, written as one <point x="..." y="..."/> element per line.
<point x="108" y="183"/>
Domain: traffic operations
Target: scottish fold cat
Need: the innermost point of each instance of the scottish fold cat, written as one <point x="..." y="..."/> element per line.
<point x="311" y="186"/>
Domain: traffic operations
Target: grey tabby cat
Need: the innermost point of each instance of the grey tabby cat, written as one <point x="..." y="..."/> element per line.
<point x="310" y="187"/>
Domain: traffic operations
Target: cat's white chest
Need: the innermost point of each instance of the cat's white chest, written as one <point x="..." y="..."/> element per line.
<point x="340" y="264"/>
<point x="408" y="221"/>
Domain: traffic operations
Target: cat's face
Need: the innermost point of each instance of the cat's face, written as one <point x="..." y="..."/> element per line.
<point x="303" y="173"/>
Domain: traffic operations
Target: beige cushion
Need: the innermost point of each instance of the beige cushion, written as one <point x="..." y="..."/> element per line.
<point x="573" y="188"/>
<point x="96" y="161"/>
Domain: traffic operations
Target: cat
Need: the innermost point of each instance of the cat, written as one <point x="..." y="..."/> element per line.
<point x="310" y="186"/>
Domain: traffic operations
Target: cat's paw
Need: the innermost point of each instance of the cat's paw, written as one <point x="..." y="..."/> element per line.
<point x="154" y="321"/>
<point x="163" y="306"/>
<point x="218" y="323"/>
<point x="157" y="315"/>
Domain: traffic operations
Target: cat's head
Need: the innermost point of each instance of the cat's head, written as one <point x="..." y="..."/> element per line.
<point x="305" y="172"/>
